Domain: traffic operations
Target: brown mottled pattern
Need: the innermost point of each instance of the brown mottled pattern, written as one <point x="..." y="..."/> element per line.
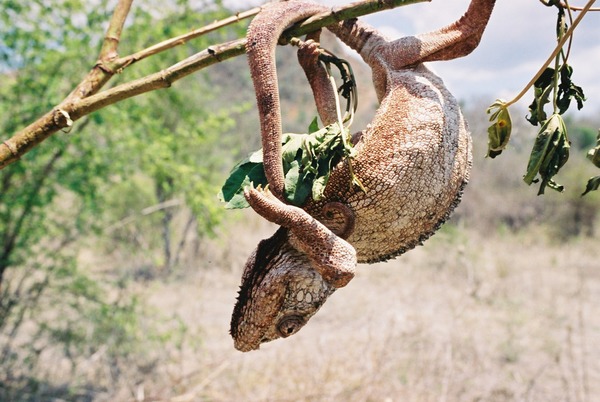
<point x="413" y="179"/>
<point x="413" y="159"/>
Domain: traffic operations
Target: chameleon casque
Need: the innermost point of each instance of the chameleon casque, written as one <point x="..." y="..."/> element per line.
<point x="413" y="160"/>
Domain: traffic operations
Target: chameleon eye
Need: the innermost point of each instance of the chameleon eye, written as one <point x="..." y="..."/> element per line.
<point x="339" y="218"/>
<point x="289" y="325"/>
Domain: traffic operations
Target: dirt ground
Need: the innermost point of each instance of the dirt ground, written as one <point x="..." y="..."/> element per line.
<point x="467" y="317"/>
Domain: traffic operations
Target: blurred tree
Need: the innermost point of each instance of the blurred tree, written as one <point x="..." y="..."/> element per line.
<point x="62" y="193"/>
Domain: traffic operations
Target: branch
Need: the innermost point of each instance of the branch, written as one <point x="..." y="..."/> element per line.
<point x="24" y="140"/>
<point x="85" y="99"/>
<point x="556" y="51"/>
<point x="113" y="33"/>
<point x="102" y="72"/>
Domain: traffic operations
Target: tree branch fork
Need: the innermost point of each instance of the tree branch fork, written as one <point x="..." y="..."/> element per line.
<point x="87" y="98"/>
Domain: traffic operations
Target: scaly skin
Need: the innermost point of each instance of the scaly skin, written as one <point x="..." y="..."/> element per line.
<point x="413" y="159"/>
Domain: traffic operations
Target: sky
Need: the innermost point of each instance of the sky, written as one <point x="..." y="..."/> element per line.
<point x="519" y="38"/>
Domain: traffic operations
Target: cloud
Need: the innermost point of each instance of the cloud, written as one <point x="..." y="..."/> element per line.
<point x="519" y="38"/>
<point x="517" y="41"/>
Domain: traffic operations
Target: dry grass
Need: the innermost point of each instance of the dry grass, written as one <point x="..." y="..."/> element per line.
<point x="465" y="318"/>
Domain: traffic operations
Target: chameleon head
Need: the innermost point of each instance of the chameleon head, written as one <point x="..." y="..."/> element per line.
<point x="280" y="292"/>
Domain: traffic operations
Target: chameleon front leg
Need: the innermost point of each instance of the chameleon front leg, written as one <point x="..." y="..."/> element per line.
<point x="329" y="254"/>
<point x="382" y="55"/>
<point x="262" y="37"/>
<point x="459" y="38"/>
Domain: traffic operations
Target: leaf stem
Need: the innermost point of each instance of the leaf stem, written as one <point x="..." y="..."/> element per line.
<point x="561" y="33"/>
<point x="181" y="39"/>
<point x="570" y="14"/>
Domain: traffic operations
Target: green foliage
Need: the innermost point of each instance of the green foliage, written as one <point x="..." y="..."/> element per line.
<point x="307" y="159"/>
<point x="66" y="192"/>
<point x="307" y="163"/>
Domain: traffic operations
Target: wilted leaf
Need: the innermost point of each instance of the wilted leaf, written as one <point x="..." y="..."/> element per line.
<point x="550" y="152"/>
<point x="567" y="90"/>
<point x="541" y="93"/>
<point x="594" y="156"/>
<point x="592" y="185"/>
<point x="499" y="131"/>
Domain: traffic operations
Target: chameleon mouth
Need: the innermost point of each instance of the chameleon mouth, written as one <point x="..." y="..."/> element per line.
<point x="257" y="268"/>
<point x="247" y="346"/>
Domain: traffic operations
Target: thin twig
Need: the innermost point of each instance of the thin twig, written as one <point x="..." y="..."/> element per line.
<point x="144" y="212"/>
<point x="188" y="226"/>
<point x="179" y="40"/>
<point x="575" y="8"/>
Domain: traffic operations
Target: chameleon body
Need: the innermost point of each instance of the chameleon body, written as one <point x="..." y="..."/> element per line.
<point x="413" y="160"/>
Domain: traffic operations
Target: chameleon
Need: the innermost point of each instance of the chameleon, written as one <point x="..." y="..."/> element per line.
<point x="413" y="160"/>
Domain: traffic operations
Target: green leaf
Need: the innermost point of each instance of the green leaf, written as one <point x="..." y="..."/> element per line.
<point x="318" y="187"/>
<point x="499" y="131"/>
<point x="248" y="172"/>
<point x="297" y="188"/>
<point x="324" y="172"/>
<point x="307" y="163"/>
<point x="550" y="152"/>
<point x="256" y="156"/>
<point x="314" y="126"/>
<point x="237" y="200"/>
<point x="292" y="145"/>
<point x="308" y="160"/>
